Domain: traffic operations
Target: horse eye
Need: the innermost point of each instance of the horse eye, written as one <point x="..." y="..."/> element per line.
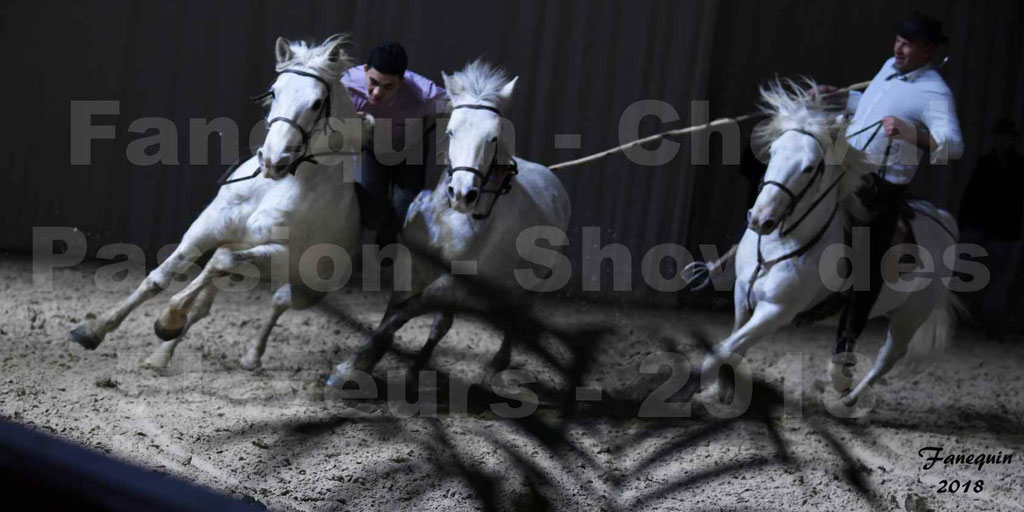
<point x="495" y="139"/>
<point x="317" y="104"/>
<point x="448" y="133"/>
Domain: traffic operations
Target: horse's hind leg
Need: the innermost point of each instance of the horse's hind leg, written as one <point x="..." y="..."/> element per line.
<point x="286" y="297"/>
<point x="171" y="322"/>
<point x="201" y="308"/>
<point x="901" y="330"/>
<point x="90" y="333"/>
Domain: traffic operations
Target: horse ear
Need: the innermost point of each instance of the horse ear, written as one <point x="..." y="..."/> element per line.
<point x="334" y="55"/>
<point x="506" y="92"/>
<point x="283" y="50"/>
<point x="452" y="85"/>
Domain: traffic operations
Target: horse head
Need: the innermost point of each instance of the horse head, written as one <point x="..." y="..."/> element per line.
<point x="300" y="102"/>
<point x="480" y="140"/>
<point x="796" y="137"/>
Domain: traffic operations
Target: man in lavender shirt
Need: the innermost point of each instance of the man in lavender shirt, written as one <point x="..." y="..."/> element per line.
<point x="404" y="105"/>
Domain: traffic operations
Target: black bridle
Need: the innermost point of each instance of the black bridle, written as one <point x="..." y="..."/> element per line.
<point x="504" y="171"/>
<point x="796" y="197"/>
<point x="794" y="200"/>
<point x="323" y="114"/>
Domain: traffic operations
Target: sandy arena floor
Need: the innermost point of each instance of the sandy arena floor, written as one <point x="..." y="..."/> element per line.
<point x="273" y="437"/>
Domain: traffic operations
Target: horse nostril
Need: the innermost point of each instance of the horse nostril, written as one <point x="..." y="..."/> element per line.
<point x="451" y="193"/>
<point x="471" y="196"/>
<point x="750" y="215"/>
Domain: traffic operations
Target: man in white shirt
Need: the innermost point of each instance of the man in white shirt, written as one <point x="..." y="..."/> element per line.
<point x="914" y="111"/>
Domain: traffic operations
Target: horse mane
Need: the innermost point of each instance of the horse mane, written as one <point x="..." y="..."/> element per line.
<point x="326" y="59"/>
<point x="481" y="81"/>
<point x="789" y="106"/>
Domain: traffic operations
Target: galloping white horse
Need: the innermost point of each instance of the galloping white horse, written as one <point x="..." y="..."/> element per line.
<point x="793" y="222"/>
<point x="472" y="218"/>
<point x="268" y="221"/>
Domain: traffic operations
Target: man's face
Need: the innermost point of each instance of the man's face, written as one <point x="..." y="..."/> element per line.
<point x="911" y="55"/>
<point x="381" y="87"/>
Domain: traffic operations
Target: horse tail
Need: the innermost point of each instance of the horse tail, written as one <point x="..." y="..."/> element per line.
<point x="935" y="335"/>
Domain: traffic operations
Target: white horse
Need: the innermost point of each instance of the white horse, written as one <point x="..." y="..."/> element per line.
<point x="471" y="220"/>
<point x="804" y="212"/>
<point x="269" y="222"/>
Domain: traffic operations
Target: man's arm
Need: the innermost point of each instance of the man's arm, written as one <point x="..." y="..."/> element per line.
<point x="943" y="127"/>
<point x="941" y="134"/>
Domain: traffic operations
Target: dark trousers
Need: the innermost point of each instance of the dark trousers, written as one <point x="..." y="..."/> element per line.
<point x="884" y="200"/>
<point x="385" y="192"/>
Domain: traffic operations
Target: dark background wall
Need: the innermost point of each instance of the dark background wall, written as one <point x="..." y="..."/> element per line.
<point x="581" y="64"/>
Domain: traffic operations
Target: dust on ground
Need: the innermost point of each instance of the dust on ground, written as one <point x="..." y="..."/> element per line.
<point x="273" y="437"/>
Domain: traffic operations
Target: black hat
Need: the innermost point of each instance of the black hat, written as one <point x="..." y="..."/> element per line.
<point x="920" y="27"/>
<point x="1005" y="126"/>
<point x="389" y="58"/>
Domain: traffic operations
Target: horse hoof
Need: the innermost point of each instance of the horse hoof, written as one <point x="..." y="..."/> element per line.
<point x="848" y="401"/>
<point x="85" y="337"/>
<point x="840" y="370"/>
<point x="166" y="334"/>
<point x="341" y="375"/>
<point x="250" y="363"/>
<point x="346" y="377"/>
<point x="156" y="362"/>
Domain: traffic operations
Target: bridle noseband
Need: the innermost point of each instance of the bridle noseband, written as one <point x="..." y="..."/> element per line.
<point x="506" y="171"/>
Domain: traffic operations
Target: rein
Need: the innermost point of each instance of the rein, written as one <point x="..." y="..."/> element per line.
<point x="505" y="171"/>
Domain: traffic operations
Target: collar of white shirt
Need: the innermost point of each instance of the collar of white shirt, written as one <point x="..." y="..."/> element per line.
<point x="911" y="76"/>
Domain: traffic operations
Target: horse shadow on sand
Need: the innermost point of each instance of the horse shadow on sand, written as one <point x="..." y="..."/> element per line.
<point x="541" y="452"/>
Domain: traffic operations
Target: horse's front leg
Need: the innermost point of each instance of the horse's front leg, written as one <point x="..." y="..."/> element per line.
<point x="501" y="360"/>
<point x="371" y="352"/>
<point x="160" y="357"/>
<point x="170" y="324"/>
<point x="767" y="318"/>
<point x="90" y="333"/>
<point x="442" y="323"/>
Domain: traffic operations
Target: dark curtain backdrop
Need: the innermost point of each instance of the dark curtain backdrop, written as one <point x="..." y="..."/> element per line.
<point x="581" y="64"/>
